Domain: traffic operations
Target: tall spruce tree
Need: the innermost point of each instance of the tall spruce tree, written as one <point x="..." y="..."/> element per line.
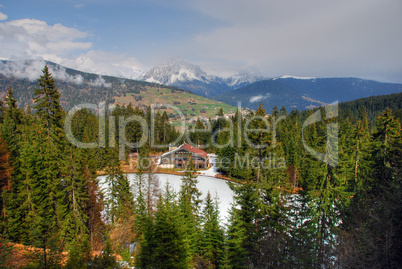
<point x="235" y="252"/>
<point x="12" y="118"/>
<point x="37" y="194"/>
<point x="372" y="227"/>
<point x="119" y="199"/>
<point x="162" y="245"/>
<point x="47" y="103"/>
<point x="189" y="202"/>
<point x="74" y="199"/>
<point x="212" y="237"/>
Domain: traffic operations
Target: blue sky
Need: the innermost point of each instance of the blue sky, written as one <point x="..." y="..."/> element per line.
<point x="269" y="37"/>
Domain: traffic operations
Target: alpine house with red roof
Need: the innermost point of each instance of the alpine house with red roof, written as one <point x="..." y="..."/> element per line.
<point x="179" y="157"/>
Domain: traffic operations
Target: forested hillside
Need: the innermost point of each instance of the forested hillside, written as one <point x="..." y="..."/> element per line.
<point x="305" y="93"/>
<point x="374" y="105"/>
<point x="315" y="189"/>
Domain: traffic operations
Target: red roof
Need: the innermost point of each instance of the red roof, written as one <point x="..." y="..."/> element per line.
<point x="194" y="150"/>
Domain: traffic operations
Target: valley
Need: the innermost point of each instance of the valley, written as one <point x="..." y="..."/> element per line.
<point x="295" y="168"/>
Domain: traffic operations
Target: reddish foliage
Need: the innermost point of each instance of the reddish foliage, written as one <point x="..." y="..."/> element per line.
<point x="5" y="170"/>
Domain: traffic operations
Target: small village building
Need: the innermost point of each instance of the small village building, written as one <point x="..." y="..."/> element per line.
<point x="172" y="147"/>
<point x="179" y="157"/>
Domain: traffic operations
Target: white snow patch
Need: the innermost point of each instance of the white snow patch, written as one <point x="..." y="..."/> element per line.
<point x="213" y="171"/>
<point x="287" y="76"/>
<point x="183" y="75"/>
<point x="152" y="80"/>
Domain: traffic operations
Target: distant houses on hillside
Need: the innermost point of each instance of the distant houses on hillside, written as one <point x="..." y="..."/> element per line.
<point x="179" y="157"/>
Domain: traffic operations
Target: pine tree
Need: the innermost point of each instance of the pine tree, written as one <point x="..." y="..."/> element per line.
<point x="170" y="250"/>
<point x="372" y="224"/>
<point x="122" y="230"/>
<point x="248" y="199"/>
<point x="80" y="254"/>
<point x="212" y="237"/>
<point x="120" y="198"/>
<point x="198" y="137"/>
<point x="325" y="194"/>
<point x="47" y="103"/>
<point x="189" y="190"/>
<point x="260" y="141"/>
<point x="37" y="195"/>
<point x="162" y="245"/>
<point x="10" y="131"/>
<point x="292" y="143"/>
<point x="12" y="118"/>
<point x="189" y="202"/>
<point x="220" y="123"/>
<point x="74" y="199"/>
<point x="235" y="251"/>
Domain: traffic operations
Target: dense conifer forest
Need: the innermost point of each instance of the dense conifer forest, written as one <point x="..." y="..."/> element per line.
<point x="293" y="208"/>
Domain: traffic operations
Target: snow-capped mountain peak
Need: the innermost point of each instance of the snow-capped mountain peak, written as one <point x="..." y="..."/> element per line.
<point x="180" y="73"/>
<point x="175" y="70"/>
<point x="241" y="79"/>
<point x="294" y="77"/>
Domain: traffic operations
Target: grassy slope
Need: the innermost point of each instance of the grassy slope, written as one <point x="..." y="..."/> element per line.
<point x="191" y="105"/>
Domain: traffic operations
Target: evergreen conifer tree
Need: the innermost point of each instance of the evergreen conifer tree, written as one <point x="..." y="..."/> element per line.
<point x="212" y="237"/>
<point x="189" y="202"/>
<point x="47" y="103"/>
<point x="372" y="224"/>
<point x="74" y="199"/>
<point x="37" y="212"/>
<point x="235" y="251"/>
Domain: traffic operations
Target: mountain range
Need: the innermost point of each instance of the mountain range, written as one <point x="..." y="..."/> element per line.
<point x="301" y="93"/>
<point x="291" y="92"/>
<point x="182" y="74"/>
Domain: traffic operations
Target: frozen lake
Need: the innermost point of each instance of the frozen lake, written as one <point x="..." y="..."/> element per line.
<point x="217" y="187"/>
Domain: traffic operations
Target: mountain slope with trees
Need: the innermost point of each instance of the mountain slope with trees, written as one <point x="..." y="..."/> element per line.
<point x="305" y="93"/>
<point x="78" y="87"/>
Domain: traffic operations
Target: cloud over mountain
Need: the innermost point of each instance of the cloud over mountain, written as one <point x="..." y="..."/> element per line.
<point x="25" y="39"/>
<point x="32" y="70"/>
<point x="270" y="38"/>
<point x="306" y="38"/>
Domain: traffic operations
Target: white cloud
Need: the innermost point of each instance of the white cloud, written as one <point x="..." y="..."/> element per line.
<point x="100" y="82"/>
<point x="3" y="16"/>
<point x="305" y="38"/>
<point x="256" y="98"/>
<point x="29" y="42"/>
<point x="104" y="63"/>
<point x="33" y="38"/>
<point x="300" y="38"/>
<point x="32" y="70"/>
<point x="60" y="73"/>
